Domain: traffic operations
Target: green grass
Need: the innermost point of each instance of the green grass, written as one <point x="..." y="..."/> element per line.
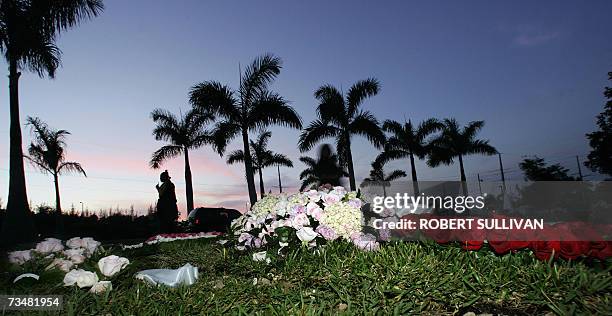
<point x="401" y="278"/>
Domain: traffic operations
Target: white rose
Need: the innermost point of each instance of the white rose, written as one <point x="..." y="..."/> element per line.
<point x="90" y="244"/>
<point x="330" y="199"/>
<point x="62" y="264"/>
<point x="313" y="196"/>
<point x="306" y="234"/>
<point x="101" y="287"/>
<point x="77" y="259"/>
<point x="49" y="245"/>
<point x="74" y="243"/>
<point x="112" y="264"/>
<point x="20" y="256"/>
<point x="81" y="278"/>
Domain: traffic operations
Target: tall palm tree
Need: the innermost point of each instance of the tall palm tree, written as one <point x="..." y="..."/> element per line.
<point x="182" y="134"/>
<point x="48" y="153"/>
<point x="252" y="107"/>
<point x="261" y="157"/>
<point x="28" y="32"/>
<point x="378" y="177"/>
<point x="323" y="170"/>
<point x="457" y="142"/>
<point x="408" y="141"/>
<point x="340" y="117"/>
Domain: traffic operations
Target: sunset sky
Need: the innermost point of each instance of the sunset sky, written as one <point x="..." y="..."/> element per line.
<point x="534" y="71"/>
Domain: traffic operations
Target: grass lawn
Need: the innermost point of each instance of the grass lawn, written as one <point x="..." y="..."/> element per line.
<point x="401" y="278"/>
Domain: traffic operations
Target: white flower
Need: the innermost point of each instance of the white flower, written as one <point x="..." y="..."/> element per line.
<point x="49" y="245"/>
<point x="222" y="241"/>
<point x="299" y="220"/>
<point x="76" y="255"/>
<point x="245" y="238"/>
<point x="81" y="278"/>
<point x="330" y="199"/>
<point x="314" y="210"/>
<point x="313" y="196"/>
<point x="62" y="264"/>
<point x="306" y="234"/>
<point x="74" y="243"/>
<point x="261" y="256"/>
<point x="339" y="190"/>
<point x="77" y="259"/>
<point x="90" y="244"/>
<point x="110" y="265"/>
<point x="20" y="256"/>
<point x="101" y="287"/>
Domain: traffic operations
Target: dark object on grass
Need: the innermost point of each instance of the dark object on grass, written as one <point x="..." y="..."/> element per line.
<point x="167" y="211"/>
<point x="206" y="219"/>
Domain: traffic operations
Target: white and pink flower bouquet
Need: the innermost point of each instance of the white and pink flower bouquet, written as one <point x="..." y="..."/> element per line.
<point x="311" y="218"/>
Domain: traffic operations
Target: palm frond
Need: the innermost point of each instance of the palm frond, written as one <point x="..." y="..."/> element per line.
<point x="223" y="133"/>
<point x="358" y="92"/>
<point x="481" y="147"/>
<point x="212" y="96"/>
<point x="315" y="132"/>
<point x="235" y="157"/>
<point x="365" y="124"/>
<point x="271" y="109"/>
<point x="395" y="174"/>
<point x="309" y="181"/>
<point x="70" y="167"/>
<point x="331" y="105"/>
<point x="258" y="75"/>
<point x="278" y="160"/>
<point x="470" y="131"/>
<point x="163" y="154"/>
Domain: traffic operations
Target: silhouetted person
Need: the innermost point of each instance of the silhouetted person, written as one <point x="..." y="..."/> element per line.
<point x="167" y="211"/>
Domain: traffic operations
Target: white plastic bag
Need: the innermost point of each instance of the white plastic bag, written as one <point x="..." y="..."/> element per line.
<point x="185" y="275"/>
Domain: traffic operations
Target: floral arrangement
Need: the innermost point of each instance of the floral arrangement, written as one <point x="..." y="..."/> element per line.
<point x="310" y="218"/>
<point x="71" y="258"/>
<point x="566" y="240"/>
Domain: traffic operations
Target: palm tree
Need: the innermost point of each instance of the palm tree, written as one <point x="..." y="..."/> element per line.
<point x="378" y="177"/>
<point x="341" y="118"/>
<point x="48" y="153"/>
<point x="406" y="141"/>
<point x="323" y="170"/>
<point x="252" y="107"/>
<point x="261" y="157"/>
<point x="456" y="142"/>
<point x="182" y="134"/>
<point x="28" y="31"/>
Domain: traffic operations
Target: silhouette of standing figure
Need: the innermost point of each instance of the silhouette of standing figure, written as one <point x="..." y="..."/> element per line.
<point x="167" y="211"/>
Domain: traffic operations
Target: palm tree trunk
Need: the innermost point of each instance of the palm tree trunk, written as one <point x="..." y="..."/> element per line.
<point x="248" y="167"/>
<point x="58" y="204"/>
<point x="261" y="184"/>
<point x="188" y="182"/>
<point x="415" y="181"/>
<point x="17" y="226"/>
<point x="384" y="191"/>
<point x="463" y="178"/>
<point x="59" y="220"/>
<point x="349" y="161"/>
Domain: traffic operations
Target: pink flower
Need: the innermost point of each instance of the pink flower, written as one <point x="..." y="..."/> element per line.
<point x="330" y="199"/>
<point x="355" y="203"/>
<point x="326" y="232"/>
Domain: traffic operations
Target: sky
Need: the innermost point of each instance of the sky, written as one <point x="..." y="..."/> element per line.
<point x="534" y="71"/>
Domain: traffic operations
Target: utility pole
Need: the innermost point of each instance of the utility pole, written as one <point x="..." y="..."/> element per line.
<point x="579" y="169"/>
<point x="501" y="169"/>
<point x="479" y="187"/>
<point x="280" y="185"/>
